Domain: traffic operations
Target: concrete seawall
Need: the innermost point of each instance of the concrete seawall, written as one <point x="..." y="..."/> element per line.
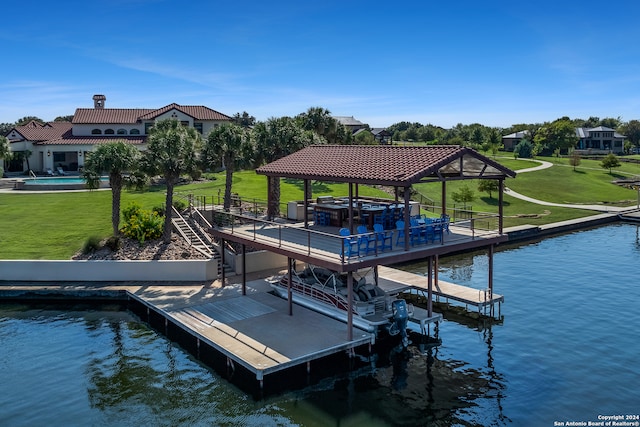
<point x="532" y="232"/>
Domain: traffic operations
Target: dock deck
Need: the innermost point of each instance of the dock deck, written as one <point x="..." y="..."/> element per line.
<point x="402" y="280"/>
<point x="254" y="331"/>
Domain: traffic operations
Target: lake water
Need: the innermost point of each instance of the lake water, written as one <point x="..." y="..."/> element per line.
<point x="568" y="349"/>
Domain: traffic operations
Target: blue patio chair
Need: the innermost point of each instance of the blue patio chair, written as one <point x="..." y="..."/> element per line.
<point x="433" y="232"/>
<point x="445" y="219"/>
<point x="350" y="244"/>
<point x="383" y="237"/>
<point x="418" y="232"/>
<point x="400" y="238"/>
<point x="366" y="241"/>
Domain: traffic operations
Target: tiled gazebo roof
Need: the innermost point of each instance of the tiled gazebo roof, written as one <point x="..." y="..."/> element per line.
<point x="386" y="165"/>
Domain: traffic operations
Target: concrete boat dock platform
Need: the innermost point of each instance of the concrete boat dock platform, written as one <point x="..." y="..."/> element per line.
<point x="252" y="331"/>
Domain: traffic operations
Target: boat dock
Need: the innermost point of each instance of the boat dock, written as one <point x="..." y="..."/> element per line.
<point x="630" y="215"/>
<point x="391" y="278"/>
<point x="252" y="331"/>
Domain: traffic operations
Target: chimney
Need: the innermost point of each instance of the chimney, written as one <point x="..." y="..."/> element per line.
<point x="98" y="101"/>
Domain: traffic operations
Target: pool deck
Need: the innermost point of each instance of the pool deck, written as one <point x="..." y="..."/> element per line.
<point x="254" y="330"/>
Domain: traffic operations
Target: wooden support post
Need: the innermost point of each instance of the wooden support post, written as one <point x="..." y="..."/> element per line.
<point x="407" y="217"/>
<point x="430" y="287"/>
<point x="223" y="276"/>
<point x="350" y="209"/>
<point x="500" y="203"/>
<point x="350" y="306"/>
<point x="244" y="269"/>
<point x="290" y="278"/>
<point x="305" y="203"/>
<point x="444" y="197"/>
<point x="491" y="278"/>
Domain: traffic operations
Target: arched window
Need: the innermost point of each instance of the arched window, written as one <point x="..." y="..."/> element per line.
<point x="134" y="132"/>
<point x="109" y="132"/>
<point x="96" y="132"/>
<point x="122" y="131"/>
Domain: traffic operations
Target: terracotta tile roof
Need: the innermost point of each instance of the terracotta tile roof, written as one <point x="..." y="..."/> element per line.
<point x="109" y="115"/>
<point x="34" y="131"/>
<point x="198" y="112"/>
<point x="385" y="165"/>
<point x="135" y="115"/>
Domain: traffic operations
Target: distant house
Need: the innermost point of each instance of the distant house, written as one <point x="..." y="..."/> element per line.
<point x="382" y="135"/>
<point x="510" y="141"/>
<point x="598" y="140"/>
<point x="350" y="123"/>
<point x="63" y="144"/>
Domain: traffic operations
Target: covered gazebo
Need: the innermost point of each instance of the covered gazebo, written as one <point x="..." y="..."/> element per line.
<point x="398" y="167"/>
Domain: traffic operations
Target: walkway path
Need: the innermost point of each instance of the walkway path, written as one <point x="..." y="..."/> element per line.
<point x="546" y="165"/>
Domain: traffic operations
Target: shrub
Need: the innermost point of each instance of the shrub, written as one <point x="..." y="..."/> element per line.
<point x="524" y="149"/>
<point x="92" y="244"/>
<point x="141" y="224"/>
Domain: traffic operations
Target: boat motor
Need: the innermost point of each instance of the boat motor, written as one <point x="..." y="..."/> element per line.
<point x="400" y="319"/>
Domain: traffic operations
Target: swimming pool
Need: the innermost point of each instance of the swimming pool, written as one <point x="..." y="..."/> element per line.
<point x="58" y="183"/>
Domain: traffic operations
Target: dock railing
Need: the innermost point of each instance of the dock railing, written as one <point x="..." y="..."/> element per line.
<point x="325" y="241"/>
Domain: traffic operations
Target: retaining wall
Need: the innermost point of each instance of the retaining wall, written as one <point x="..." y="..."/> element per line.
<point x="108" y="270"/>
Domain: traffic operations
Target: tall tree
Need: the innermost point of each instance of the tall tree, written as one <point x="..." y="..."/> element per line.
<point x="244" y="120"/>
<point x="223" y="145"/>
<point x="172" y="150"/>
<point x="558" y="134"/>
<point x="277" y="138"/>
<point x="631" y="130"/>
<point x="5" y="152"/>
<point x="114" y="158"/>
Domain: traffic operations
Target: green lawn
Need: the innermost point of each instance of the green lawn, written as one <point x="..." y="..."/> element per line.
<point x="54" y="226"/>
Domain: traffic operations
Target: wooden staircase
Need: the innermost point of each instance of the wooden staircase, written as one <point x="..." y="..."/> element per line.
<point x="193" y="233"/>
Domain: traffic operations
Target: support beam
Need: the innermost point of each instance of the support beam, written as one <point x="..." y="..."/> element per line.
<point x="350" y="208"/>
<point x="444" y="197"/>
<point x="223" y="277"/>
<point x="407" y="217"/>
<point x="350" y="306"/>
<point x="500" y="203"/>
<point x="490" y="278"/>
<point x="430" y="287"/>
<point x="289" y="293"/>
<point x="305" y="203"/>
<point x="244" y="269"/>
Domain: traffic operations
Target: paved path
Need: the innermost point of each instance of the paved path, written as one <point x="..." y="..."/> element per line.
<point x="546" y="165"/>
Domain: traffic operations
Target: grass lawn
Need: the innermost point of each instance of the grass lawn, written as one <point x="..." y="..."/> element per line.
<point x="55" y="225"/>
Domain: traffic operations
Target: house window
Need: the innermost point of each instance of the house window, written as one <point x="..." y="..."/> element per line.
<point x="122" y="132"/>
<point x="96" y="132"/>
<point x="184" y="123"/>
<point x="147" y="126"/>
<point x="134" y="132"/>
<point x="109" y="132"/>
<point x="198" y="127"/>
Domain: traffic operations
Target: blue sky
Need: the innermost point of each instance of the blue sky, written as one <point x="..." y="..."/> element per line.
<point x="441" y="62"/>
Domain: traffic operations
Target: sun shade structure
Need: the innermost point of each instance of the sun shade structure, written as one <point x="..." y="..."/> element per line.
<point x="386" y="165"/>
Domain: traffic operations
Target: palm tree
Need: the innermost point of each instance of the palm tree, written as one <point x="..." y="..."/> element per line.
<point x="276" y="138"/>
<point x="5" y="152"/>
<point x="114" y="158"/>
<point x="225" y="143"/>
<point x="172" y="150"/>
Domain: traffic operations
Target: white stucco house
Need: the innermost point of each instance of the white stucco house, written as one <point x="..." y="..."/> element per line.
<point x="66" y="145"/>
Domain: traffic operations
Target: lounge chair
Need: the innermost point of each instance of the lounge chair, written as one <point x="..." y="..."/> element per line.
<point x="49" y="172"/>
<point x="61" y="171"/>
